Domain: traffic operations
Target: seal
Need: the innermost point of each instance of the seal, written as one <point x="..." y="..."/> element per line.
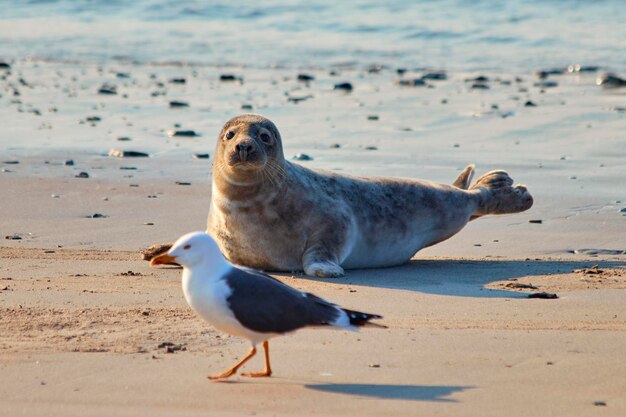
<point x="271" y="214"/>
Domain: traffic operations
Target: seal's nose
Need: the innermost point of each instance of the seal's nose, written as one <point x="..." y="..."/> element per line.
<point x="243" y="149"/>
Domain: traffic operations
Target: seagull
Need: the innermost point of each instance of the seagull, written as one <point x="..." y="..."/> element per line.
<point x="247" y="303"/>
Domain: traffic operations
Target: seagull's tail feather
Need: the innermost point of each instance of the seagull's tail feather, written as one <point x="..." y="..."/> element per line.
<point x="359" y="319"/>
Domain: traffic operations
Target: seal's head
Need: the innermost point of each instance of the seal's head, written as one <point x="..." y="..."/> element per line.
<point x="247" y="145"/>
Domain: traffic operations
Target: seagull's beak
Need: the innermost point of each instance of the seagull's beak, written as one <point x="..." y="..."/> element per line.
<point x="164" y="259"/>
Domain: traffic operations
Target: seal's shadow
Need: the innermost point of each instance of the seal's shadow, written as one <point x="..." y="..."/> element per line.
<point x="435" y="393"/>
<point x="465" y="278"/>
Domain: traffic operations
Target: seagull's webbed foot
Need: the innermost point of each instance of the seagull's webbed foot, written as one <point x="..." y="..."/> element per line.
<point x="234" y="368"/>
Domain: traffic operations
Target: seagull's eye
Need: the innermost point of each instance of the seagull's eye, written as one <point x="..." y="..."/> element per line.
<point x="186" y="247"/>
<point x="265" y="138"/>
<point x="229" y="135"/>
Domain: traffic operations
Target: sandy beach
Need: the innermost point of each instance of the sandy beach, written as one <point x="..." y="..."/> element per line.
<point x="88" y="329"/>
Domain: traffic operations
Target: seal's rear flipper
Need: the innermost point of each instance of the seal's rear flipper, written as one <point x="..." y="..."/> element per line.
<point x="156" y="250"/>
<point x="499" y="196"/>
<point x="465" y="178"/>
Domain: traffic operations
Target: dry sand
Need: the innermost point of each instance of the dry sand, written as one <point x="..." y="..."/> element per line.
<point x="84" y="320"/>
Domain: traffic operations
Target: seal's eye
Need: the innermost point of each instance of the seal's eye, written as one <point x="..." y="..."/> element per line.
<point x="230" y="135"/>
<point x="187" y="247"/>
<point x="265" y="138"/>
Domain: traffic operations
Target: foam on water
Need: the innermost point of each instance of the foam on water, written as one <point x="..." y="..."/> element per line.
<point x="454" y="34"/>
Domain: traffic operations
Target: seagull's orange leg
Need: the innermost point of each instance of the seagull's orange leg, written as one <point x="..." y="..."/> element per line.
<point x="268" y="368"/>
<point x="234" y="368"/>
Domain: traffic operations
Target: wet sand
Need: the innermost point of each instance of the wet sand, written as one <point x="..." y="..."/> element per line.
<point x="80" y="334"/>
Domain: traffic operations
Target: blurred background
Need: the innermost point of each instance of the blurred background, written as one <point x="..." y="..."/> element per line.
<point x="459" y="35"/>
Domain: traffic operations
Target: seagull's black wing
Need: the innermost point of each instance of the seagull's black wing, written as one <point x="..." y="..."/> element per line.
<point x="266" y="305"/>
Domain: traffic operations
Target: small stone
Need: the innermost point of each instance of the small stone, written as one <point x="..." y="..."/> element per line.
<point x="11" y="162"/>
<point x="305" y="77"/>
<point x="478" y="79"/>
<point x="435" y="75"/>
<point x="546" y="84"/>
<point x="479" y="86"/>
<point x="120" y="153"/>
<point x="544" y="73"/>
<point x="583" y="68"/>
<point x="247" y="107"/>
<point x="537" y="221"/>
<point x="347" y="87"/>
<point x="543" y="295"/>
<point x="5" y="65"/>
<point x="374" y="365"/>
<point x="416" y="82"/>
<point x="373" y="117"/>
<point x="97" y="216"/>
<point x="530" y="104"/>
<point x="298" y="99"/>
<point x="200" y="156"/>
<point x="148" y="224"/>
<point x="128" y="168"/>
<point x="14" y="236"/>
<point x="177" y="81"/>
<point x="302" y="157"/>
<point x="69" y="162"/>
<point x="93" y="119"/>
<point x="599" y="403"/>
<point x="122" y="75"/>
<point x="55" y="196"/>
<point x="228" y="77"/>
<point x="107" y="90"/>
<point x="182" y="183"/>
<point x="182" y="133"/>
<point x="81" y="175"/>
<point x="371" y="148"/>
<point x="610" y="81"/>
<point x="124" y="139"/>
<point x="176" y="103"/>
<point x="335" y="146"/>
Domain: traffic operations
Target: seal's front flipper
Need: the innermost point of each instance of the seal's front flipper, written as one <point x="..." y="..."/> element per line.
<point x="465" y="178"/>
<point x="324" y="269"/>
<point x="319" y="261"/>
<point x="498" y="195"/>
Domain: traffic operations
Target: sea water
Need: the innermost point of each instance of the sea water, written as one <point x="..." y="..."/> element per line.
<point x="458" y="35"/>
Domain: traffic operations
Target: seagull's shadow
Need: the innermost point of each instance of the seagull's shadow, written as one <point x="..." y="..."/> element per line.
<point x="464" y="278"/>
<point x="392" y="392"/>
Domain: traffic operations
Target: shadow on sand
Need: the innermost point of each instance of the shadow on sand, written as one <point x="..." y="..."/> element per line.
<point x="392" y="392"/>
<point x="464" y="278"/>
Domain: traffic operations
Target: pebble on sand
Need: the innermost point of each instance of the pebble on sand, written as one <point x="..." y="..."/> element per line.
<point x="543" y="295"/>
<point x="347" y="87"/>
<point x="176" y="103"/>
<point x="416" y="82"/>
<point x="82" y="174"/>
<point x="230" y="78"/>
<point x="305" y="77"/>
<point x="182" y="133"/>
<point x="107" y="89"/>
<point x="96" y="216"/>
<point x="200" y="156"/>
<point x="177" y="81"/>
<point x="302" y="157"/>
<point x="120" y="153"/>
<point x="610" y="81"/>
<point x="182" y="183"/>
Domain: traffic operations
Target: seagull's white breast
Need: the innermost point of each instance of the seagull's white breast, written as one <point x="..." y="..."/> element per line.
<point x="207" y="295"/>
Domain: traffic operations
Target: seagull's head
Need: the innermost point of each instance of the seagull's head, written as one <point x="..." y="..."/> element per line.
<point x="191" y="250"/>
